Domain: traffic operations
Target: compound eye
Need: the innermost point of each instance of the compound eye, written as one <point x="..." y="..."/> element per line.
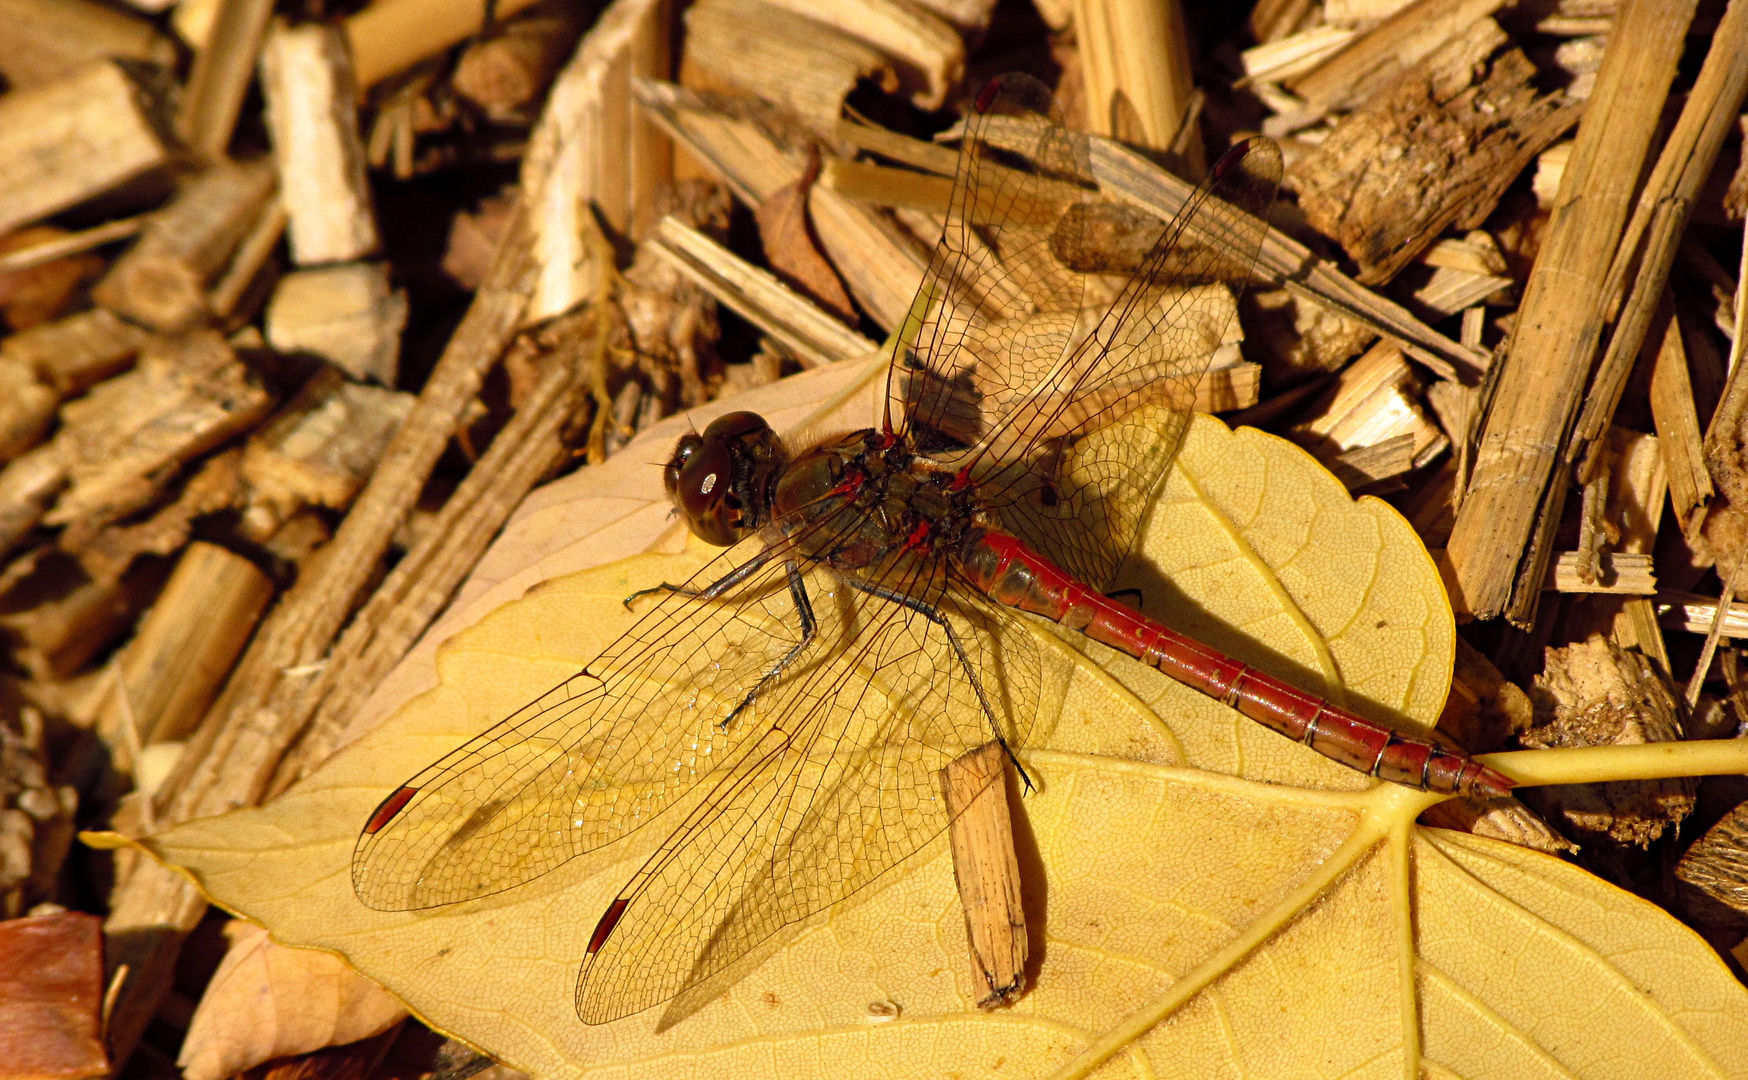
<point x="683" y="452"/>
<point x="701" y="491"/>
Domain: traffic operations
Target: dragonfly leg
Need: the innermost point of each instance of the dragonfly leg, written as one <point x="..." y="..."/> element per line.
<point x="933" y="614"/>
<point x="715" y="588"/>
<point x="809" y="629"/>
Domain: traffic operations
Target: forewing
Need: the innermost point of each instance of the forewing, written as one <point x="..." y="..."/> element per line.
<point x="817" y="810"/>
<point x="592" y="759"/>
<point x="1050" y="315"/>
<point x="995" y="309"/>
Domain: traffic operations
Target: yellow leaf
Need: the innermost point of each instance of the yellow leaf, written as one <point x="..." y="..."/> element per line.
<point x="1216" y="900"/>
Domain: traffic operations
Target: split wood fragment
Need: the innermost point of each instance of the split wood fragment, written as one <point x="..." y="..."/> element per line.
<point x="812" y="335"/>
<point x="987" y="872"/>
<point x="223" y="68"/>
<point x="1500" y="545"/>
<point x="607" y="157"/>
<point x="184" y="647"/>
<point x="1660" y="219"/>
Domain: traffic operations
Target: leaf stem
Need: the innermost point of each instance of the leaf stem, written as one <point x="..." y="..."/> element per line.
<point x="1645" y="761"/>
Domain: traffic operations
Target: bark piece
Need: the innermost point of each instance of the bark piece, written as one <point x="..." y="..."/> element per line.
<point x="793" y="61"/>
<point x="987" y="872"/>
<point x="506" y="73"/>
<point x="79" y="136"/>
<point x="1595" y="693"/>
<point x="1712" y="877"/>
<point x="312" y="113"/>
<point x="161" y="281"/>
<point x="51" y="997"/>
<point x="1504" y="529"/>
<point x="125" y="439"/>
<point x="36" y="817"/>
<point x="1437" y="147"/>
<point x="319" y="449"/>
<point x="46" y="39"/>
<point x="347" y="314"/>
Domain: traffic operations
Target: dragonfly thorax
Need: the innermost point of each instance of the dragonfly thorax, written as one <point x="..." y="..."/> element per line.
<point x="722" y="481"/>
<point x="867" y="497"/>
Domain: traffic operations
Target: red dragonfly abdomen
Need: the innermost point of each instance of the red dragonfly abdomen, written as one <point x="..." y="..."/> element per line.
<point x="1013" y="574"/>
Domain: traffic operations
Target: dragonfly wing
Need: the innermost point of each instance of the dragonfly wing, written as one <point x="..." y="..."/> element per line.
<point x="1050" y="315"/>
<point x="995" y="308"/>
<point x="841" y="788"/>
<point x="592" y="759"/>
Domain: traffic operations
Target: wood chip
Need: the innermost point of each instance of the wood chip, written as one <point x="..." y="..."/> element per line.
<point x="81" y="135"/>
<point x="173" y="667"/>
<point x="319" y="449"/>
<point x="927" y="55"/>
<point x="802" y="65"/>
<point x="1618" y="572"/>
<point x="312" y="113"/>
<point x="812" y="335"/>
<point x="162" y="279"/>
<point x="124" y="440"/>
<point x="347" y="314"/>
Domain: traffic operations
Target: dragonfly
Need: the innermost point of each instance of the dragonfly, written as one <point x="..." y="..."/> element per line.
<point x="784" y="712"/>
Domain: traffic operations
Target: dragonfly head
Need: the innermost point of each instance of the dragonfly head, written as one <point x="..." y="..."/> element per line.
<point x="722" y="480"/>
